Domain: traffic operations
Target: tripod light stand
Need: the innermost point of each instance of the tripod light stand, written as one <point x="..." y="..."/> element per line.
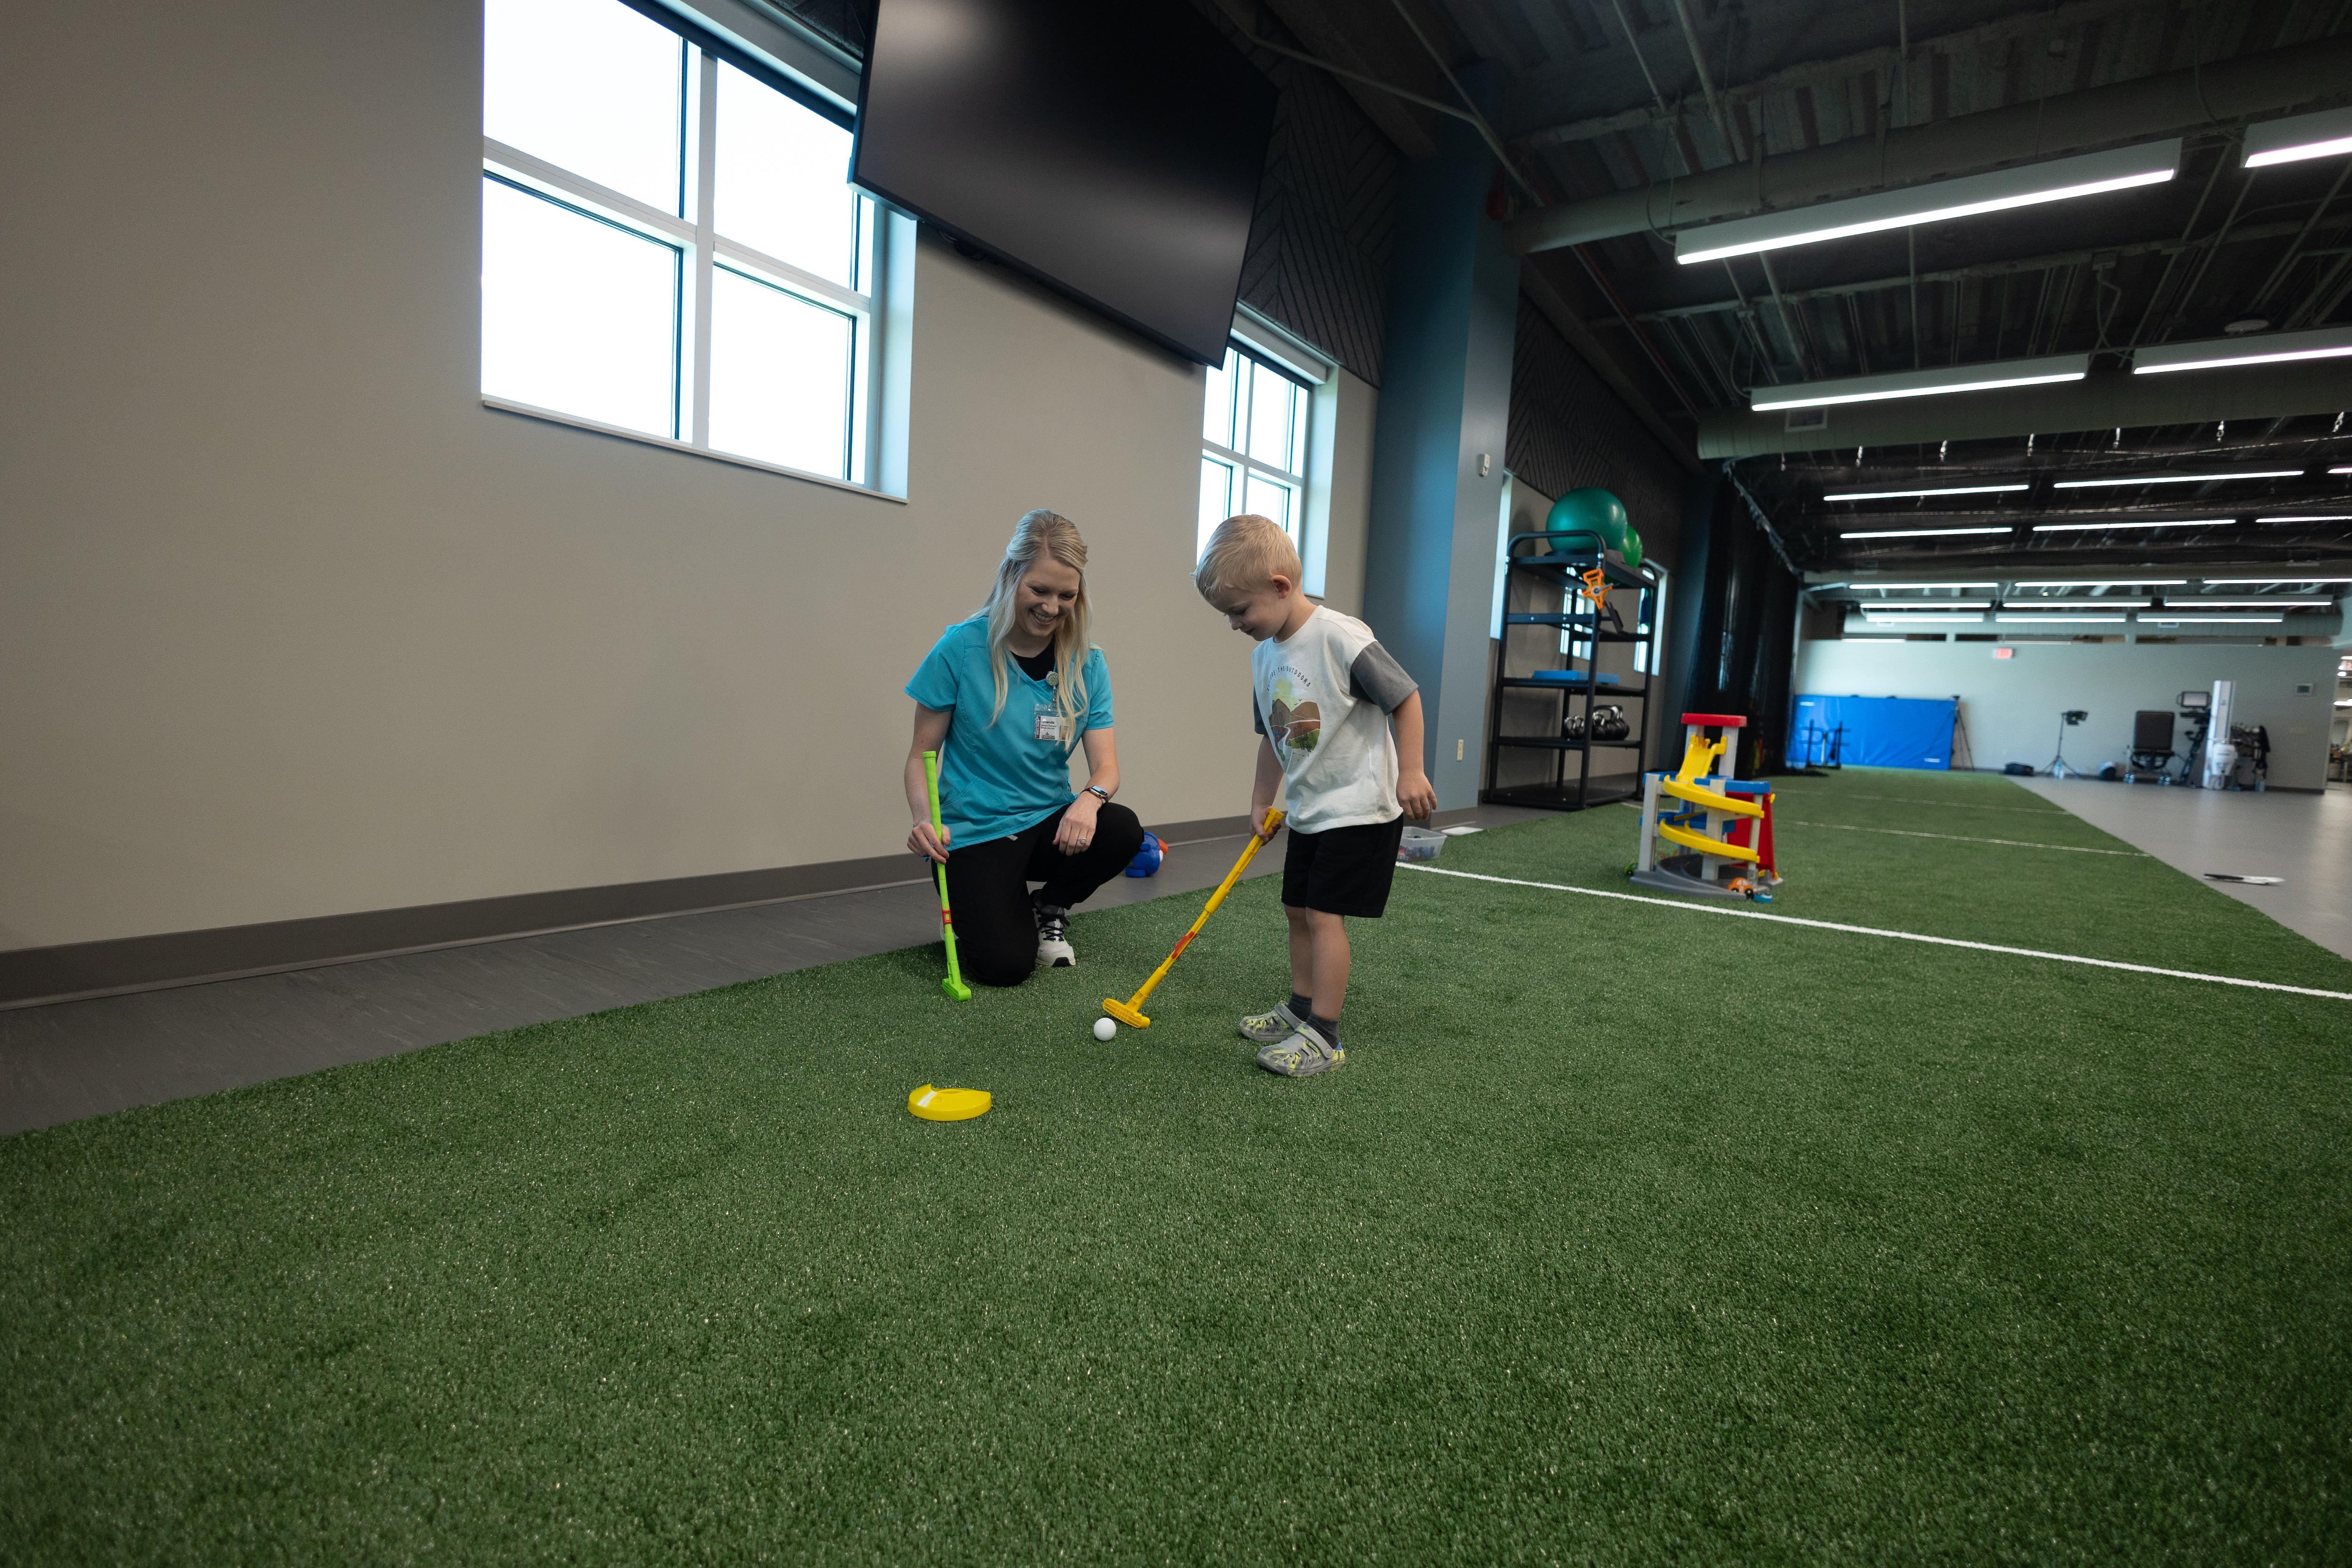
<point x="2058" y="768"/>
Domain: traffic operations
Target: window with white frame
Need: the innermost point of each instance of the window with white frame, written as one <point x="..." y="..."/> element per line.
<point x="670" y="246"/>
<point x="1253" y="445"/>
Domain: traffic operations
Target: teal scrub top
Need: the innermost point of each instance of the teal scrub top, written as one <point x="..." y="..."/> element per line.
<point x="996" y="779"/>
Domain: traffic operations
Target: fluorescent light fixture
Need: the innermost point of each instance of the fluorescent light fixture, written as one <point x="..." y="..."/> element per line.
<point x="2177" y="478"/>
<point x="1972" y="587"/>
<point x="2297" y="137"/>
<point x="1885" y="605"/>
<point x="1910" y="495"/>
<point x="2262" y="348"/>
<point x="1923" y="383"/>
<point x="2114" y="583"/>
<point x="2058" y="179"/>
<point x="2029" y="602"/>
<point x="2316" y="517"/>
<point x="2061" y="620"/>
<point x="1919" y="533"/>
<point x="2103" y="527"/>
<point x="1925" y="620"/>
<point x="2259" y="582"/>
<point x="2169" y="619"/>
<point x="2345" y="470"/>
<point x="2250" y="604"/>
<point x="1899" y="639"/>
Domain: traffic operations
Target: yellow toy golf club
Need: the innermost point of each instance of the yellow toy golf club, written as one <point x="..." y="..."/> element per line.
<point x="953" y="984"/>
<point x="1130" y="1012"/>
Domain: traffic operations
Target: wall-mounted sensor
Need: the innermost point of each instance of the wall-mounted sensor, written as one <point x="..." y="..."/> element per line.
<point x="1485" y="461"/>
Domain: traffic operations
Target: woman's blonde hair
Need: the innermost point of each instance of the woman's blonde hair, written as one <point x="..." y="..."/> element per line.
<point x="1245" y="554"/>
<point x="1041" y="532"/>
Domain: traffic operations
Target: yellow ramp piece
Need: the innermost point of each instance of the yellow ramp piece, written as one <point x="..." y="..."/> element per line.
<point x="1698" y="758"/>
<point x="947" y="1104"/>
<point x="1701" y="842"/>
<point x="1710" y="799"/>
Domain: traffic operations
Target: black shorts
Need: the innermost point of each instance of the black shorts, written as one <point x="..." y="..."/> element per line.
<point x="1342" y="870"/>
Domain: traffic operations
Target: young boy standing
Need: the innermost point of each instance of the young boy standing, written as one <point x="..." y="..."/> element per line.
<point x="1326" y="694"/>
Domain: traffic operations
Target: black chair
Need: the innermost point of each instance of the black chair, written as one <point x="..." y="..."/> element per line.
<point x="2151" y="748"/>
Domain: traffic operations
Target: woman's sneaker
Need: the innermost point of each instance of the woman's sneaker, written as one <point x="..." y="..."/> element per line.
<point x="1054" y="949"/>
<point x="1302" y="1054"/>
<point x="1267" y="1028"/>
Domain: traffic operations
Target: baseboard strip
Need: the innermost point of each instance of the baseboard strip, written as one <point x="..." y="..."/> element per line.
<point x="72" y="972"/>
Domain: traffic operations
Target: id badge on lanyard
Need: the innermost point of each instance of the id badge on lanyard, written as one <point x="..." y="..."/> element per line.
<point x="1048" y="725"/>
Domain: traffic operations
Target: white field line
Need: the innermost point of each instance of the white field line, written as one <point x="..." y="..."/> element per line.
<point x="1669" y="902"/>
<point x="1964" y="839"/>
<point x="1956" y="805"/>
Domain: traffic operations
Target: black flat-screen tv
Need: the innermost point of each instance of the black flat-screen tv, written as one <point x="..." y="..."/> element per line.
<point x="1111" y="149"/>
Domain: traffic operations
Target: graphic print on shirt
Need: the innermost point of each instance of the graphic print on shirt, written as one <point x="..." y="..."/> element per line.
<point x="1295" y="723"/>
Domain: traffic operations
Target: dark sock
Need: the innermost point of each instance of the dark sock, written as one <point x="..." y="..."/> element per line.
<point x="1300" y="1006"/>
<point x="1327" y="1027"/>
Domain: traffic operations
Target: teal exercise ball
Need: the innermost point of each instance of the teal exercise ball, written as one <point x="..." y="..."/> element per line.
<point x="1599" y="512"/>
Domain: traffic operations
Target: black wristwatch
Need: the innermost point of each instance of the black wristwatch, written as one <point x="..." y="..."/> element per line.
<point x="1097" y="789"/>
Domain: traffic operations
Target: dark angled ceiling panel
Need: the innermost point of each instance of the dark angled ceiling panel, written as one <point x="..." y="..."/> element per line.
<point x="1568" y="430"/>
<point x="1317" y="261"/>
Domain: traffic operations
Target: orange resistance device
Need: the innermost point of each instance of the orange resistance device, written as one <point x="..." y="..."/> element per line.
<point x="1130" y="1011"/>
<point x="1596" y="588"/>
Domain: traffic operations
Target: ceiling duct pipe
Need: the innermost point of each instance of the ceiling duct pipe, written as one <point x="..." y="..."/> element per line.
<point x="2165" y="105"/>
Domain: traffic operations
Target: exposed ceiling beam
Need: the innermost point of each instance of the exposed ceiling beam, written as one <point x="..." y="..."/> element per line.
<point x="2105" y="401"/>
<point x="1556" y="309"/>
<point x="2036" y="24"/>
<point x="2167" y="104"/>
<point x="1312" y="27"/>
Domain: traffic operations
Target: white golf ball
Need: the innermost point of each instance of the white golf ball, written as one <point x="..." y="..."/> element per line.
<point x="1104" y="1028"/>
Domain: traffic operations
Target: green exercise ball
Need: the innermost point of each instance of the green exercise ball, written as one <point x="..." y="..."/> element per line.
<point x="1596" y="509"/>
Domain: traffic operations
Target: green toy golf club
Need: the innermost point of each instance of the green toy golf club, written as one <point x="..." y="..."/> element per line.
<point x="953" y="984"/>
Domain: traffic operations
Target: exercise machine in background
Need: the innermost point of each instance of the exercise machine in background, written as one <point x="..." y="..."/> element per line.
<point x="1820" y="746"/>
<point x="2151" y="747"/>
<point x="2197" y="706"/>
<point x="2058" y="768"/>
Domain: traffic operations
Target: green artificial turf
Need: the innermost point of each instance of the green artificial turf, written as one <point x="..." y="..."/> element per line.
<point x="1627" y="1235"/>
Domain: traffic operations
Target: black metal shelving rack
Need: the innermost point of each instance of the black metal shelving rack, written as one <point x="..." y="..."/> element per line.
<point x="1573" y="553"/>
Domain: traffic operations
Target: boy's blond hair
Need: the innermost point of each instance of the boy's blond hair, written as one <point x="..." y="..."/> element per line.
<point x="1245" y="554"/>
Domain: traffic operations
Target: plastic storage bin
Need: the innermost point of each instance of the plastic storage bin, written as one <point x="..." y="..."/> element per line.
<point x="1420" y="844"/>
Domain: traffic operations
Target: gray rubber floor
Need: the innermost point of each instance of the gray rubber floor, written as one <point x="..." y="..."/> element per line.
<point x="2303" y="839"/>
<point x="72" y="1059"/>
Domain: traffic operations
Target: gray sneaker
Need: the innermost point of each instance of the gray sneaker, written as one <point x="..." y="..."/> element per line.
<point x="1054" y="949"/>
<point x="1302" y="1053"/>
<point x="1267" y="1029"/>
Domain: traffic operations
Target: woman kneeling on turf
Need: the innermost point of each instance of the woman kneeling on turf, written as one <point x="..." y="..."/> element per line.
<point x="1005" y="697"/>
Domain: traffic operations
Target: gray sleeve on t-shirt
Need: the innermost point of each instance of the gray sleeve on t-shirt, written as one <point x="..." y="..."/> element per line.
<point x="1257" y="717"/>
<point x="1381" y="678"/>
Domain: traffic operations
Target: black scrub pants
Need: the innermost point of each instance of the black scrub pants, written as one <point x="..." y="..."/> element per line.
<point x="987" y="885"/>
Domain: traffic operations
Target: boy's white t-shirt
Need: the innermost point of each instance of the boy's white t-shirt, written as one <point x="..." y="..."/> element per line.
<point x="1322" y="700"/>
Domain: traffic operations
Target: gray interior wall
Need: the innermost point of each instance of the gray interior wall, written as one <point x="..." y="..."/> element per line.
<point x="1353" y="407"/>
<point x="2011" y="705"/>
<point x="295" y="627"/>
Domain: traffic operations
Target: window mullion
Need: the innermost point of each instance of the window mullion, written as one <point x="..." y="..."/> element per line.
<point x="786" y="275"/>
<point x="1243" y="459"/>
<point x="537" y="174"/>
<point x="706" y="180"/>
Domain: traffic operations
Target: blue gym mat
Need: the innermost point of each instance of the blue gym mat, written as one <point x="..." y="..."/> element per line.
<point x="1880" y="732"/>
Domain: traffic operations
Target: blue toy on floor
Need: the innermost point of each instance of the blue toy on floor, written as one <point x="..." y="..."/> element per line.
<point x="1146" y="860"/>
